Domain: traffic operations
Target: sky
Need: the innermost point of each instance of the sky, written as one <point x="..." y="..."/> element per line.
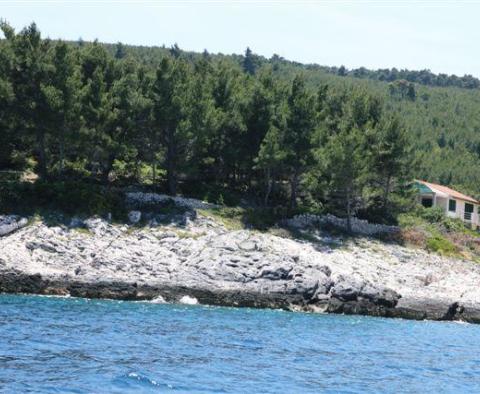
<point x="440" y="35"/>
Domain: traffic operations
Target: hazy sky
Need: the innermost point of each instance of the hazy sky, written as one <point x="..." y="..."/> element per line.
<point x="441" y="35"/>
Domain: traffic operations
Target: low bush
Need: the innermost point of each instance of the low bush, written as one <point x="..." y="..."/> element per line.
<point x="441" y="245"/>
<point x="454" y="225"/>
<point x="430" y="229"/>
<point x="431" y="215"/>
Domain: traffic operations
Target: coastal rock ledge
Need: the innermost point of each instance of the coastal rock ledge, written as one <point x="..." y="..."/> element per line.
<point x="203" y="261"/>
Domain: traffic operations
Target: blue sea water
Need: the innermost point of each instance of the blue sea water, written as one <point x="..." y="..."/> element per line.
<point x="59" y="345"/>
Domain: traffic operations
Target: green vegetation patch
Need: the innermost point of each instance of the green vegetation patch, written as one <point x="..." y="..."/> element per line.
<point x="430" y="229"/>
<point x="441" y="245"/>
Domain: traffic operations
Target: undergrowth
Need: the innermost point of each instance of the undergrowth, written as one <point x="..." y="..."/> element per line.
<point x="430" y="229"/>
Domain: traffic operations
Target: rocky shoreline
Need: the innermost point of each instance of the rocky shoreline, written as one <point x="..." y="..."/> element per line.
<point x="200" y="260"/>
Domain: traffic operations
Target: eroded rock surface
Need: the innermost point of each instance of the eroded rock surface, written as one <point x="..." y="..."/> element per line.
<point x="202" y="260"/>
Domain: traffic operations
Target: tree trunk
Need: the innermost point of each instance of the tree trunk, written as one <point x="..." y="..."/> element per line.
<point x="108" y="168"/>
<point x="269" y="187"/>
<point x="171" y="166"/>
<point x="154" y="173"/>
<point x="62" y="152"/>
<point x="349" y="211"/>
<point x="42" y="156"/>
<point x="293" y="190"/>
<point x="386" y="192"/>
<point x="137" y="174"/>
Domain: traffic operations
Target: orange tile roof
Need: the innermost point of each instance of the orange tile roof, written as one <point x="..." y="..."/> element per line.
<point x="450" y="192"/>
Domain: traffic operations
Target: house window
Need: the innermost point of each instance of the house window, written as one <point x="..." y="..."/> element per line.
<point x="468" y="211"/>
<point x="452" y="205"/>
<point x="427" y="202"/>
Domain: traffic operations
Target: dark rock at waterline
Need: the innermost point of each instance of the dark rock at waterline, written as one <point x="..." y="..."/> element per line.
<point x="382" y="302"/>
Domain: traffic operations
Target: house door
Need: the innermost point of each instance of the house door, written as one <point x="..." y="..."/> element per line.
<point x="427" y="202"/>
<point x="468" y="211"/>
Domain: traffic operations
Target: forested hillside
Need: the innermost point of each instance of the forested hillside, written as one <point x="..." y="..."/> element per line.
<point x="274" y="131"/>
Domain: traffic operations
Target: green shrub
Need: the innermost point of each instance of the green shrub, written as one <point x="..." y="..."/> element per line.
<point x="408" y="220"/>
<point x="441" y="245"/>
<point x="454" y="225"/>
<point x="432" y="215"/>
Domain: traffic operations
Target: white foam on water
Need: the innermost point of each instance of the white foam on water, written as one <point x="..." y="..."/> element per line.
<point x="461" y="322"/>
<point x="187" y="300"/>
<point x="158" y="300"/>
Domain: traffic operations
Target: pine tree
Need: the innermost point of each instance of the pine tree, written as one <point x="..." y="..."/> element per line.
<point x="63" y="101"/>
<point x="249" y="62"/>
<point x="146" y="138"/>
<point x="169" y="91"/>
<point x="199" y="121"/>
<point x="230" y="104"/>
<point x="343" y="161"/>
<point x="392" y="161"/>
<point x="259" y="117"/>
<point x="272" y="154"/>
<point x="270" y="159"/>
<point x="98" y="74"/>
<point x="120" y="51"/>
<point x="9" y="140"/>
<point x="124" y="116"/>
<point x="28" y="78"/>
<point x="300" y="125"/>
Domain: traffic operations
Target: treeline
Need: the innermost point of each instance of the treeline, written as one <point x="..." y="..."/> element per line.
<point x="423" y="77"/>
<point x="82" y="112"/>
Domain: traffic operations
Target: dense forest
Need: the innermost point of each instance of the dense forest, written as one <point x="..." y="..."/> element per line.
<point x="276" y="132"/>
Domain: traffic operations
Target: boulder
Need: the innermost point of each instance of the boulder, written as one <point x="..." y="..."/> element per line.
<point x="134" y="217"/>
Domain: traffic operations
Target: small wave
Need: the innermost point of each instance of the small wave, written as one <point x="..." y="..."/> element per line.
<point x="142" y="379"/>
<point x="50" y="295"/>
<point x="461" y="322"/>
<point x="135" y="379"/>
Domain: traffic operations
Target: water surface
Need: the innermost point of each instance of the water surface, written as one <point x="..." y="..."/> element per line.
<point x="57" y="345"/>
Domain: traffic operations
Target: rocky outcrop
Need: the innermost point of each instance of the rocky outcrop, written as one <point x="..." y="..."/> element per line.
<point x="198" y="260"/>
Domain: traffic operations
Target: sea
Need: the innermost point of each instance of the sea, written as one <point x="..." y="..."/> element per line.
<point x="73" y="345"/>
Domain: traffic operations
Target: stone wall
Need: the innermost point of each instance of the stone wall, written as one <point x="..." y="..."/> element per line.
<point x="139" y="200"/>
<point x="11" y="223"/>
<point x="359" y="226"/>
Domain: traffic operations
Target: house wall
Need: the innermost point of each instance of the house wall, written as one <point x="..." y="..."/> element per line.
<point x="443" y="203"/>
<point x="460" y="212"/>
